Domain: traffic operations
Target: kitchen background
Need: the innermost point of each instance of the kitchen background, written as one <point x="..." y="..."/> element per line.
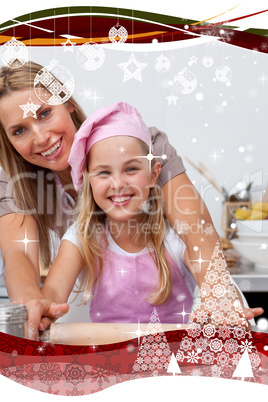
<point x="210" y="98"/>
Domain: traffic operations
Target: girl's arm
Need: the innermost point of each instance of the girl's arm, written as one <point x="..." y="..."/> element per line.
<point x="63" y="273"/>
<point x="189" y="217"/>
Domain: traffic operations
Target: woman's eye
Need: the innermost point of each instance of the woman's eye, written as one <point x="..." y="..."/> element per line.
<point x="18" y="131"/>
<point x="45" y="113"/>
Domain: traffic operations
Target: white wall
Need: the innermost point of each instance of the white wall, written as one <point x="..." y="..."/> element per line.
<point x="228" y="120"/>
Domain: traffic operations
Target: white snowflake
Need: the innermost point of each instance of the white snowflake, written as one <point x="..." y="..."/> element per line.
<point x="224" y="332"/>
<point x="239" y="333"/>
<point x="254" y="360"/>
<point x="201" y="344"/>
<point x="209" y="330"/>
<point x="192" y="357"/>
<point x="207" y="358"/>
<point x="180" y="356"/>
<point x="218" y="290"/>
<point x="211" y="277"/>
<point x="215" y="345"/>
<point x="217" y="317"/>
<point x="246" y="345"/>
<point x="186" y="343"/>
<point x="231" y="346"/>
<point x="225" y="305"/>
<point x="223" y="359"/>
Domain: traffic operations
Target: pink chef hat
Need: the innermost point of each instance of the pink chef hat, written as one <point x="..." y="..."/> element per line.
<point x="109" y="121"/>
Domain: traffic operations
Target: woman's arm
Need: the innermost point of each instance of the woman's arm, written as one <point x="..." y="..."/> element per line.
<point x="20" y="253"/>
<point x="19" y="248"/>
<point x="189" y="216"/>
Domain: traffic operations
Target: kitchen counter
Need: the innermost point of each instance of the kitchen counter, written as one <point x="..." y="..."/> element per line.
<point x="249" y="278"/>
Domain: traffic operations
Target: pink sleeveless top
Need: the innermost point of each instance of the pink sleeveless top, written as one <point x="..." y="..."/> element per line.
<point x="127" y="281"/>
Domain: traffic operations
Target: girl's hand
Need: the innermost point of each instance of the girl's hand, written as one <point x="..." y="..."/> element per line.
<point x="41" y="313"/>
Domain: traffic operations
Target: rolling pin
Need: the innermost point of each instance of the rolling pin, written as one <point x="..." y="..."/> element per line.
<point x="101" y="334"/>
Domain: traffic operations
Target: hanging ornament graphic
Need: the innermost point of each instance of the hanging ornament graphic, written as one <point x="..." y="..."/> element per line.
<point x="207" y="61"/>
<point x="29" y="109"/>
<point x="14" y="53"/>
<point x="185" y="82"/>
<point x="54" y="84"/>
<point x="118" y="34"/>
<point x="223" y="73"/>
<point x="162" y="64"/>
<point x="154" y="353"/>
<point x="68" y="45"/>
<point x="132" y="69"/>
<point x="90" y="56"/>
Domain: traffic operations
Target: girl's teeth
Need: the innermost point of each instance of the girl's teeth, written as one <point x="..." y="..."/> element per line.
<point x="52" y="150"/>
<point x="120" y="199"/>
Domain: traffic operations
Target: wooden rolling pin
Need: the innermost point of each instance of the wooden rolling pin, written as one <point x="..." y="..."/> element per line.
<point x="101" y="334"/>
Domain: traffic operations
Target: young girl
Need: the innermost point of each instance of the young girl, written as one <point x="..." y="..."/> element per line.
<point x="129" y="258"/>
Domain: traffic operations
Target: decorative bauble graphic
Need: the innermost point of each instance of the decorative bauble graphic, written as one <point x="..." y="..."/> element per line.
<point x="118" y="34"/>
<point x="185" y="82"/>
<point x="207" y="61"/>
<point x="14" y="53"/>
<point x="54" y="84"/>
<point x="162" y="64"/>
<point x="90" y="56"/>
<point x="223" y="74"/>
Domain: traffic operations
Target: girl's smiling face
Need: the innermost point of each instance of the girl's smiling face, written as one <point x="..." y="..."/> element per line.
<point x="120" y="176"/>
<point x="43" y="141"/>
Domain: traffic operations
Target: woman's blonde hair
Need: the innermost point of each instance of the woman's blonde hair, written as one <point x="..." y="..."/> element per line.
<point x="91" y="223"/>
<point x="24" y="175"/>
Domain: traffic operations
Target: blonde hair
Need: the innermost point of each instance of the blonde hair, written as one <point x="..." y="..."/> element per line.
<point x="91" y="234"/>
<point x="23" y="174"/>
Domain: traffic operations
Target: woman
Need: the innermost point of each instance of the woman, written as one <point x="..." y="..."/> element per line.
<point x="38" y="199"/>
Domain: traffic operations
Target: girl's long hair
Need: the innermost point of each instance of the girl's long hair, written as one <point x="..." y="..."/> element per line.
<point x="91" y="234"/>
<point x="25" y="176"/>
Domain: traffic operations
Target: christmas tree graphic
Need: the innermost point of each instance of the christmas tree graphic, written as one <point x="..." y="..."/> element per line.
<point x="154" y="354"/>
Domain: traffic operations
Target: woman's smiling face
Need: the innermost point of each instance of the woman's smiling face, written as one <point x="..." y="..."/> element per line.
<point x="43" y="141"/>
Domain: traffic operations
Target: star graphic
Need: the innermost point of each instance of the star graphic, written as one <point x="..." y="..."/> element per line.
<point x="122" y="272"/>
<point x="172" y="99"/>
<point x="29" y="109"/>
<point x="150" y="157"/>
<point x="132" y="69"/>
<point x="183" y="313"/>
<point x="26" y="241"/>
<point x="68" y="45"/>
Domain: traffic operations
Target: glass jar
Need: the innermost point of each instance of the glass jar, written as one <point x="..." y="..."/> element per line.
<point x="14" y="319"/>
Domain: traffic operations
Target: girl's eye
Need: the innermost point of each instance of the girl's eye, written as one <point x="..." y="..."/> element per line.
<point x="104" y="173"/>
<point x="131" y="169"/>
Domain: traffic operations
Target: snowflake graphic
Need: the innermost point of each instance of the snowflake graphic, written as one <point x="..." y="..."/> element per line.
<point x="192" y="357"/>
<point x="215" y="345"/>
<point x="186" y="343"/>
<point x="207" y="358"/>
<point x="223" y="359"/>
<point x="246" y="345"/>
<point x="231" y="346"/>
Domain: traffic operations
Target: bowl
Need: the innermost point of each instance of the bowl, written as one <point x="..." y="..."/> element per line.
<point x="261" y="238"/>
<point x="252" y="226"/>
<point x="255" y="251"/>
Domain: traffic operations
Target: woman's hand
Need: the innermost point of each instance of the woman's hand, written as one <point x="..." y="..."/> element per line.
<point x="41" y="313"/>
